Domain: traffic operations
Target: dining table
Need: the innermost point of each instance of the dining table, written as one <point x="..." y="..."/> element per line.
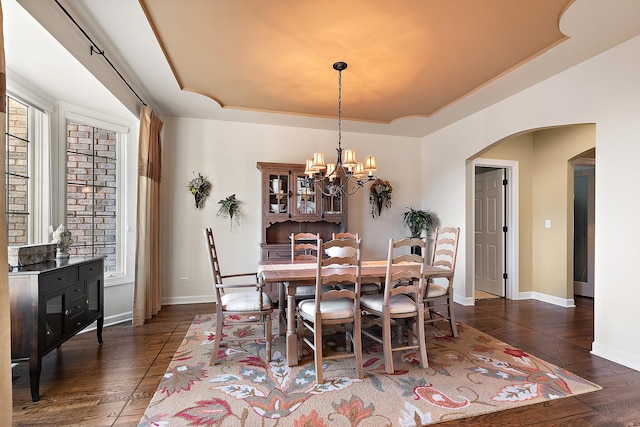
<point x="288" y="275"/>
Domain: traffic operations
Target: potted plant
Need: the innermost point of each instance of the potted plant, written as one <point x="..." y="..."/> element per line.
<point x="417" y="221"/>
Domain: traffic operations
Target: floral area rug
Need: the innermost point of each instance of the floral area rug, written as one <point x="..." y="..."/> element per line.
<point x="469" y="375"/>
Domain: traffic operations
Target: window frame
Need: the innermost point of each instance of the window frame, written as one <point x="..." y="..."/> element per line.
<point x="126" y="179"/>
<point x="119" y="176"/>
<point x="39" y="188"/>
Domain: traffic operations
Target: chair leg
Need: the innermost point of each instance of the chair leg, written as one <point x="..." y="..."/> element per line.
<point x="357" y="344"/>
<point x="317" y="351"/>
<point x="268" y="336"/>
<point x="427" y="307"/>
<point x="218" y="338"/>
<point x="422" y="341"/>
<point x="348" y="338"/>
<point x="387" y="349"/>
<point x="452" y="317"/>
<point x="300" y="333"/>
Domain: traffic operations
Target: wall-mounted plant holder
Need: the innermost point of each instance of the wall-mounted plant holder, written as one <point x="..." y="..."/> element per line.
<point x="200" y="187"/>
<point x="230" y="208"/>
<point x="380" y="196"/>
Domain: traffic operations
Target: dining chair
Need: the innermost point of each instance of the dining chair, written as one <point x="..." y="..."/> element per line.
<point x="335" y="307"/>
<point x="304" y="247"/>
<point x="400" y="305"/>
<point x="365" y="288"/>
<point x="438" y="298"/>
<point x="247" y="304"/>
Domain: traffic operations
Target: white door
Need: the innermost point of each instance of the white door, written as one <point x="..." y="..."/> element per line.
<point x="489" y="235"/>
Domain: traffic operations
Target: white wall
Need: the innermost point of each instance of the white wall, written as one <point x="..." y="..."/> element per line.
<point x="603" y="90"/>
<point x="227" y="153"/>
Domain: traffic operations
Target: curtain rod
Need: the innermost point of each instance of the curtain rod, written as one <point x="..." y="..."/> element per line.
<point x="96" y="49"/>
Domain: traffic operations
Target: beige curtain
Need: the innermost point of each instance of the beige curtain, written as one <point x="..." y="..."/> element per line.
<point x="147" y="290"/>
<point x="6" y="404"/>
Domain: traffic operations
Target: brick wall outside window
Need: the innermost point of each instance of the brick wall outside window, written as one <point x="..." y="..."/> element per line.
<point x="17" y="169"/>
<point x="91" y="192"/>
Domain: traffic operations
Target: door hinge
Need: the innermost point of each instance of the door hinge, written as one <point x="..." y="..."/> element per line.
<point x="505" y="229"/>
<point x="505" y="182"/>
<point x="505" y="276"/>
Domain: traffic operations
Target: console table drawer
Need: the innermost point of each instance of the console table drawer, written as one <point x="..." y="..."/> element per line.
<point x="76" y="291"/>
<point x="90" y="271"/>
<point x="60" y="278"/>
<point x="76" y="307"/>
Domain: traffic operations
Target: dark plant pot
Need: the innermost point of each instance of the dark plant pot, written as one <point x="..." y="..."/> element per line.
<point x="200" y="199"/>
<point x="416" y="249"/>
<point x="379" y="202"/>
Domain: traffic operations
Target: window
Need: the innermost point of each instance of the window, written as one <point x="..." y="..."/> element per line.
<point x="93" y="205"/>
<point x="77" y="179"/>
<point x="17" y="173"/>
<point x="26" y="144"/>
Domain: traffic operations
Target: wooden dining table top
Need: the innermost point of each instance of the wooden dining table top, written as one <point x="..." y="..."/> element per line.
<point x="287" y="270"/>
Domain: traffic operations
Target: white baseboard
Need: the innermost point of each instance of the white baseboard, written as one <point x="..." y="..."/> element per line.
<point x="629" y="360"/>
<point x="463" y="300"/>
<point x="118" y="318"/>
<point x="197" y="299"/>
<point x="110" y="321"/>
<point x="562" y="302"/>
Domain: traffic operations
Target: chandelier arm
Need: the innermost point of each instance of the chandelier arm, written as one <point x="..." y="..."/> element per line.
<point x="349" y="186"/>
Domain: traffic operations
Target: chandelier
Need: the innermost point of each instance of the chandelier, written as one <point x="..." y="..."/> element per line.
<point x="346" y="175"/>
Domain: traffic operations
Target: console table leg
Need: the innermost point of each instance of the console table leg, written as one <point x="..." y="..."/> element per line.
<point x="99" y="325"/>
<point x="35" y="366"/>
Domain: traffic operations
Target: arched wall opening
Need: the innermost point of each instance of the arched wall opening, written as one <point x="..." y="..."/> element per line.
<point x="539" y="215"/>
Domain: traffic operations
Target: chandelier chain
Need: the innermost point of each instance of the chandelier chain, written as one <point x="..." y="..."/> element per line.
<point x="339" y="110"/>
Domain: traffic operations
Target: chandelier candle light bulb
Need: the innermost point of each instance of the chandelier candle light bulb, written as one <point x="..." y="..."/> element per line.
<point x="331" y="171"/>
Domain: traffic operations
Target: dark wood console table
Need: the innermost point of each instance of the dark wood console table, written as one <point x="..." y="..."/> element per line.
<point x="51" y="302"/>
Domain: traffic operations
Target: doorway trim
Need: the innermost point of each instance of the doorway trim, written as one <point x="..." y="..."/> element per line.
<point x="511" y="220"/>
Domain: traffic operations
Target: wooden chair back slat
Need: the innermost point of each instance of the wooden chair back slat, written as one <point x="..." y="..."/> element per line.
<point x="304" y="246"/>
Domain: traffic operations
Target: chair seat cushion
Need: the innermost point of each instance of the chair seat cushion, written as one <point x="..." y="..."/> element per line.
<point x="339" y="308"/>
<point x="245" y="301"/>
<point x="434" y="290"/>
<point x="398" y="304"/>
<point x="309" y="291"/>
<point x="365" y="287"/>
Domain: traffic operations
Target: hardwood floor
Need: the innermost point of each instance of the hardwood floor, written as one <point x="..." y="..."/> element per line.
<point x="111" y="385"/>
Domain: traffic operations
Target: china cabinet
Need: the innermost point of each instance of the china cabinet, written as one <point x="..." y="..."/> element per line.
<point x="51" y="302"/>
<point x="291" y="204"/>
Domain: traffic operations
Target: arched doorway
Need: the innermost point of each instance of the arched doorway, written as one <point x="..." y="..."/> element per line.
<point x="542" y="232"/>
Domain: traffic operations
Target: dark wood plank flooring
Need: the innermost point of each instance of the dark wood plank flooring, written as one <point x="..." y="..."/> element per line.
<point x="111" y="385"/>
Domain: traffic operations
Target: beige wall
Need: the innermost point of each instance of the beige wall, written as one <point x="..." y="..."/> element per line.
<point x="553" y="200"/>
<point x="545" y="193"/>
